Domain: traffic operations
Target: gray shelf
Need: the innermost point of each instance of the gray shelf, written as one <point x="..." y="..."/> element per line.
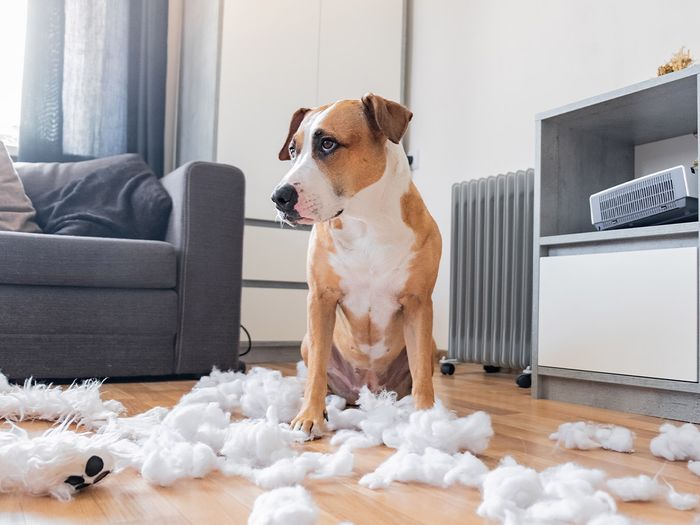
<point x="652" y="110"/>
<point x="646" y="232"/>
<point x="590" y="145"/>
<point x="583" y="148"/>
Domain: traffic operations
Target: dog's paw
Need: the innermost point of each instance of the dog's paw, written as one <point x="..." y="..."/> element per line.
<point x="311" y="421"/>
<point x="93" y="473"/>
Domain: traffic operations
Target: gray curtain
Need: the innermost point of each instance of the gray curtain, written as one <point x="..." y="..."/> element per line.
<point x="94" y="80"/>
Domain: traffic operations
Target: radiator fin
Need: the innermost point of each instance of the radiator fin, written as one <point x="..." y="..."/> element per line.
<point x="491" y="270"/>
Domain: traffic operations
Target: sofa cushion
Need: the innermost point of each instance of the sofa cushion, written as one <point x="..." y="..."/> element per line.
<point x="16" y="210"/>
<point x="45" y="310"/>
<point x="123" y="200"/>
<point x="73" y="356"/>
<point x="59" y="260"/>
<point x="42" y="177"/>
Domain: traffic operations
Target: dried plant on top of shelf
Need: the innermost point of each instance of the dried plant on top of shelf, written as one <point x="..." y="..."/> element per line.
<point x="680" y="60"/>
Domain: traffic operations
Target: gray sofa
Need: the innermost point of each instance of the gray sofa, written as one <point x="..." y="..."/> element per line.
<point x="73" y="307"/>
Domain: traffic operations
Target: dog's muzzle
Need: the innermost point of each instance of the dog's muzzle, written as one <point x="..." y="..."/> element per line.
<point x="285" y="198"/>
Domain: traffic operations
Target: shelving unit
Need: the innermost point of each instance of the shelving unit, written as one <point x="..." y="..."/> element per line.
<point x="615" y="313"/>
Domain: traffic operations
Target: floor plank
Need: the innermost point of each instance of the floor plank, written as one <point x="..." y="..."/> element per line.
<point x="522" y="427"/>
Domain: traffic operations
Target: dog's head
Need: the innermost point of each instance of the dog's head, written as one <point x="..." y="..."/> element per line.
<point x="336" y="151"/>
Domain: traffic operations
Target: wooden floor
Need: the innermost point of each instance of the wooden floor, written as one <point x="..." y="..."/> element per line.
<point x="521" y="425"/>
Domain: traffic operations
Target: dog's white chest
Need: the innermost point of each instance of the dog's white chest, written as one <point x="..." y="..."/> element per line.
<point x="373" y="266"/>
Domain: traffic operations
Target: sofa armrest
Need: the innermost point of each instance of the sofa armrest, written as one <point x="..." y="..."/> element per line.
<point x="206" y="228"/>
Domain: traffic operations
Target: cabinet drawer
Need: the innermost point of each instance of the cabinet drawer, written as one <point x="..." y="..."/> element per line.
<point x="631" y="313"/>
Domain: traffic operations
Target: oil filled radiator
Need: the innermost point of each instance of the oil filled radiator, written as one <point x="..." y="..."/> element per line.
<point x="491" y="270"/>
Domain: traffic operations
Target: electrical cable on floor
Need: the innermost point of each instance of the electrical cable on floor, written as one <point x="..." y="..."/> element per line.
<point x="250" y="342"/>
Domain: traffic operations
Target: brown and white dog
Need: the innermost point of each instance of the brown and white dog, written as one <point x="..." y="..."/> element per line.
<point x="373" y="254"/>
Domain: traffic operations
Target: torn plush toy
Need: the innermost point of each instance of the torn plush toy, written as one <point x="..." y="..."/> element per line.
<point x="58" y="462"/>
<point x="80" y="403"/>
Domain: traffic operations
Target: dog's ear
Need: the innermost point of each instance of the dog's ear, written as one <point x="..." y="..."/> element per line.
<point x="388" y="117"/>
<point x="297" y="118"/>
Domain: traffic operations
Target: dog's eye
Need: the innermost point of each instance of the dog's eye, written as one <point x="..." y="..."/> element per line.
<point x="292" y="151"/>
<point x="328" y="145"/>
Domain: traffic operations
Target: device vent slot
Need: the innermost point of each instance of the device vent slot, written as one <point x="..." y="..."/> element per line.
<point x="639" y="197"/>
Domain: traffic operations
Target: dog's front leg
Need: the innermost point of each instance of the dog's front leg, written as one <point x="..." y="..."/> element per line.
<point x="321" y="322"/>
<point x="418" y="334"/>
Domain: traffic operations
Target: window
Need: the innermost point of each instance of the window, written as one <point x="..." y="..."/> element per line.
<point x="13" y="24"/>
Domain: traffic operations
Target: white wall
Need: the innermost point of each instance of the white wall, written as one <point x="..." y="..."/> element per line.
<point x="479" y="70"/>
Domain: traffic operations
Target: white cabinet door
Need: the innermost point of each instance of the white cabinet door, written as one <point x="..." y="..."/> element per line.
<point x="269" y="68"/>
<point x="361" y="49"/>
<point x="633" y="313"/>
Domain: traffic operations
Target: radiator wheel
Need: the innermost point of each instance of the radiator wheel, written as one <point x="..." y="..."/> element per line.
<point x="524" y="380"/>
<point x="447" y="369"/>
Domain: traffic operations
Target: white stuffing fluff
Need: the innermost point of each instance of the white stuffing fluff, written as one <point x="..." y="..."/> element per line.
<point x="205" y="423"/>
<point x="587" y="436"/>
<point x="509" y="488"/>
<point x="284" y="506"/>
<point x="382" y="419"/>
<point x="302" y="371"/>
<point x="80" y="403"/>
<point x="136" y="427"/>
<point x="635" y="488"/>
<point x="694" y="467"/>
<point x="440" y="428"/>
<point x="428" y="441"/>
<point x="610" y="519"/>
<point x="378" y="413"/>
<point x="288" y="471"/>
<point x="433" y="467"/>
<point x="165" y="461"/>
<point x="433" y="446"/>
<point x="340" y="417"/>
<point x="681" y="501"/>
<point x="677" y="443"/>
<point x="183" y="444"/>
<point x="260" y="451"/>
<point x="40" y="465"/>
<point x="259" y="443"/>
<point x="568" y="493"/>
<point x="265" y="388"/>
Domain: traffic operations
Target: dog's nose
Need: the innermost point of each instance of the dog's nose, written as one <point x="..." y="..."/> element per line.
<point x="285" y="197"/>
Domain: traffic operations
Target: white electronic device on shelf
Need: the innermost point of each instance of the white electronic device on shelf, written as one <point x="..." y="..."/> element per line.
<point x="660" y="198"/>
